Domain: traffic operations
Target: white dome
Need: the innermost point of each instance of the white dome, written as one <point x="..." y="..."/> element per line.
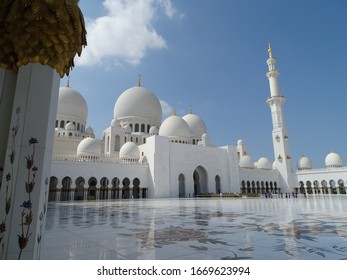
<point x="263" y="163"/>
<point x="333" y="160"/>
<point x="246" y="162"/>
<point x="240" y="142"/>
<point x="129" y="151"/>
<point x="175" y="126"/>
<point x="138" y="102"/>
<point x="70" y="126"/>
<point x="89" y="131"/>
<point x="196" y="125"/>
<point x="89" y="147"/>
<point x="72" y="104"/>
<point x="304" y="163"/>
<point x="204" y="137"/>
<point x="153" y="130"/>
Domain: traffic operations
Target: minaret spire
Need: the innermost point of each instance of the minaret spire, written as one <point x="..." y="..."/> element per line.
<point x="279" y="130"/>
<point x="273" y="74"/>
<point x="269" y="50"/>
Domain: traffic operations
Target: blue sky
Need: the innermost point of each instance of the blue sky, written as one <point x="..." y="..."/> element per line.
<point x="211" y="55"/>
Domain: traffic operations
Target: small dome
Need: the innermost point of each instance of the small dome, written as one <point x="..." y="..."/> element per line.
<point x="129" y="151"/>
<point x="240" y="142"/>
<point x="196" y="125"/>
<point x="72" y="104"/>
<point x="204" y="137"/>
<point x="264" y="163"/>
<point x="304" y="163"/>
<point x="333" y="160"/>
<point x="175" y="126"/>
<point x="89" y="131"/>
<point x="89" y="147"/>
<point x="70" y="126"/>
<point x="246" y="162"/>
<point x="138" y="102"/>
<point x="153" y="130"/>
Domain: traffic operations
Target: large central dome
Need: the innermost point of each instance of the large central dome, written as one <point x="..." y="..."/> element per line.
<point x="72" y="105"/>
<point x="138" y="102"/>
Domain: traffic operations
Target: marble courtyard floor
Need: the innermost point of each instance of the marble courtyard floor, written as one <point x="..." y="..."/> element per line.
<point x="314" y="228"/>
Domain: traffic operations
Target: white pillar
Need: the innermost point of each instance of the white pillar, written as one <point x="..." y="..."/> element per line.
<point x="58" y="195"/>
<point x="28" y="161"/>
<point x="85" y="194"/>
<point x="8" y="80"/>
<point x="72" y="191"/>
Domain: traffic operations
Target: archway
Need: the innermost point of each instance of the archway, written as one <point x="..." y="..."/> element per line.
<point x="332" y="185"/>
<point x="181" y="186"/>
<point x="302" y="187"/>
<point x="341" y="186"/>
<point x="218" y="184"/>
<point x="126" y="188"/>
<point x="92" y="188"/>
<point x="65" y="191"/>
<point x="243" y="187"/>
<point x="117" y="143"/>
<point x="79" y="191"/>
<point x="53" y="183"/>
<point x="115" y="188"/>
<point x="309" y="187"/>
<point x="324" y="187"/>
<point x="103" y="188"/>
<point x="136" y="189"/>
<point x="316" y="186"/>
<point x="200" y="181"/>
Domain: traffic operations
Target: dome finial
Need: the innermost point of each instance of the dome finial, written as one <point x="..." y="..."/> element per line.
<point x="174" y="112"/>
<point x="139" y="80"/>
<point x="269" y="50"/>
<point x="190" y="109"/>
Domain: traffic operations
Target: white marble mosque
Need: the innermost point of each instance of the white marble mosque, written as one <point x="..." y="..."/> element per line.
<point x="150" y="188"/>
<point x="142" y="156"/>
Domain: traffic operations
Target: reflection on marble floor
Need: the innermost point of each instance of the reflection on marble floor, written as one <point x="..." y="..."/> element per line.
<point x="198" y="229"/>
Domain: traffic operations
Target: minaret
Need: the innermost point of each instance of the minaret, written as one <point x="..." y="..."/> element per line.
<point x="279" y="130"/>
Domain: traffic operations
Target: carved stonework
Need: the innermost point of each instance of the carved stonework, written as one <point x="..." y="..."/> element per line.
<point x="41" y="31"/>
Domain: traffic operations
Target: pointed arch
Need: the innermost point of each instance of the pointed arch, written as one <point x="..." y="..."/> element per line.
<point x="79" y="190"/>
<point x="126" y="188"/>
<point x="136" y="189"/>
<point x="200" y="180"/>
<point x="181" y="186"/>
<point x="218" y="184"/>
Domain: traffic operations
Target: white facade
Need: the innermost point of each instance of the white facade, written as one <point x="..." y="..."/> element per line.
<point x="142" y="155"/>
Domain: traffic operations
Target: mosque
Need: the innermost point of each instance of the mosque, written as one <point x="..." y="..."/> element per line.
<point x="141" y="156"/>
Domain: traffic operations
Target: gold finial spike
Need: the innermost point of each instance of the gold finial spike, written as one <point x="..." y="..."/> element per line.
<point x="190" y="109"/>
<point x="68" y="81"/>
<point x="174" y="112"/>
<point x="139" y="81"/>
<point x="269" y="50"/>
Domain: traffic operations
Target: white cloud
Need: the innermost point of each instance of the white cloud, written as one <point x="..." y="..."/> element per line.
<point x="125" y="33"/>
<point x="166" y="108"/>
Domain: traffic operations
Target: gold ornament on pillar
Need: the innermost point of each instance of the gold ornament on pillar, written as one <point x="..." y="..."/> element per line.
<point x="50" y="32"/>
